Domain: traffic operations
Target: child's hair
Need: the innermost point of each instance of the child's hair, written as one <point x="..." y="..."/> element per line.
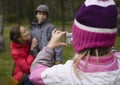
<point x="15" y="33"/>
<point x="97" y="52"/>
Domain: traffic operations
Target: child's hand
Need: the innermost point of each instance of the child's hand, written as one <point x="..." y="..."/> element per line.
<point x="34" y="43"/>
<point x="58" y="62"/>
<point x="56" y="39"/>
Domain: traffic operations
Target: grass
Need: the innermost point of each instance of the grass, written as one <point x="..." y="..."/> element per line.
<point x="5" y="60"/>
<point x="6" y="63"/>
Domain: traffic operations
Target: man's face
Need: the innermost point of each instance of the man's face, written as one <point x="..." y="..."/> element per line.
<point x="41" y="16"/>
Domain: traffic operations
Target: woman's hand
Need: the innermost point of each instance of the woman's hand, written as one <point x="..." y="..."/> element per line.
<point x="56" y="39"/>
<point x="34" y="43"/>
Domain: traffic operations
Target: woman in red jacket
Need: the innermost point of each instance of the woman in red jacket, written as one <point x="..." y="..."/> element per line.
<point x="21" y="52"/>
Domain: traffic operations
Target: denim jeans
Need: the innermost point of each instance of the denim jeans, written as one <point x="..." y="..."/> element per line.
<point x="26" y="80"/>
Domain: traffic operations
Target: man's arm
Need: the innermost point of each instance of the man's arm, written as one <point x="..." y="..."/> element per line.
<point x="32" y="35"/>
<point x="57" y="51"/>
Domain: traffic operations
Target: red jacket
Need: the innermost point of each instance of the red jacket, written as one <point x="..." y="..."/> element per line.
<point x="22" y="59"/>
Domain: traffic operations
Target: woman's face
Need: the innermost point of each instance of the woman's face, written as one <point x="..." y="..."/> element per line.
<point x="24" y="34"/>
<point x="41" y="16"/>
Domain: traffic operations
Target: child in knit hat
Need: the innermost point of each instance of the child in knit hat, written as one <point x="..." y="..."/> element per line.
<point x="42" y="31"/>
<point x="94" y="32"/>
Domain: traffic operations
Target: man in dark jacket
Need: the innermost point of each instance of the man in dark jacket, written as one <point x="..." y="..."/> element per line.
<point x="42" y="31"/>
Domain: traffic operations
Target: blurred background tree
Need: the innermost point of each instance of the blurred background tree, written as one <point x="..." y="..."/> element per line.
<point x="21" y="10"/>
<point x="118" y="5"/>
<point x="60" y="10"/>
<point x="2" y="45"/>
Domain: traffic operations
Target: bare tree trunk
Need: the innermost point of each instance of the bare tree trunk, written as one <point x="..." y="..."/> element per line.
<point x="73" y="7"/>
<point x="118" y="17"/>
<point x="62" y="14"/>
<point x="31" y="11"/>
<point x="118" y="8"/>
<point x="119" y="14"/>
<point x="19" y="11"/>
<point x="2" y="44"/>
<point x="53" y="12"/>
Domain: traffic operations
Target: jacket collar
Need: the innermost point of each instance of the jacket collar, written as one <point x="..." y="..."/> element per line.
<point x="19" y="45"/>
<point x="36" y="23"/>
<point x="105" y="63"/>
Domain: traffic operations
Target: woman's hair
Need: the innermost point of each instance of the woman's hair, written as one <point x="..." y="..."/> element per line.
<point x="15" y="33"/>
<point x="97" y="52"/>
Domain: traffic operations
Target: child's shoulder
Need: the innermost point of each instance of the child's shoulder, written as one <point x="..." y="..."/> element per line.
<point x="50" y="26"/>
<point x="33" y="23"/>
<point x="117" y="54"/>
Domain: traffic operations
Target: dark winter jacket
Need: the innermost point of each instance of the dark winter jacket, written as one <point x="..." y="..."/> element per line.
<point x="43" y="34"/>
